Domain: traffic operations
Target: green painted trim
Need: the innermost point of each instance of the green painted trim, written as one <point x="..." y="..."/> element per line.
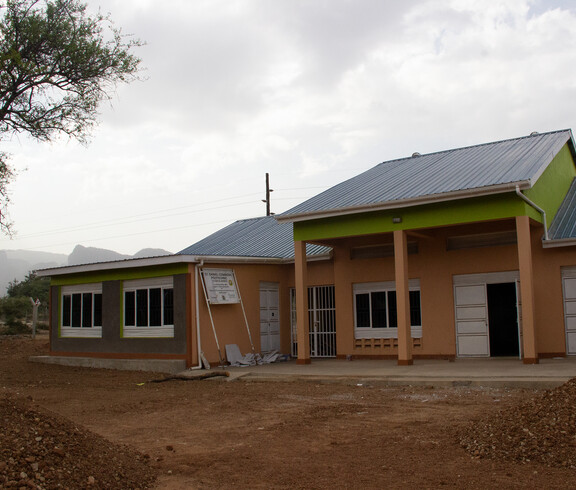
<point x="59" y="321"/>
<point x="550" y="189"/>
<point x="144" y="338"/>
<point x="120" y="274"/>
<point x="484" y="208"/>
<point x="121" y="310"/>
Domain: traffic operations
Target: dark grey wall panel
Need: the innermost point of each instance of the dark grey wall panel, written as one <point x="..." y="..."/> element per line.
<point x="111" y="342"/>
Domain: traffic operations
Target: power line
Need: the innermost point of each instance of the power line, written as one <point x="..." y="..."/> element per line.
<point x="121" y="221"/>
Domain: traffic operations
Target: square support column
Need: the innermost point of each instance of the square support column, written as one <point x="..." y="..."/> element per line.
<point x="302" y="320"/>
<point x="530" y="351"/>
<point x="191" y="337"/>
<point x="402" y="298"/>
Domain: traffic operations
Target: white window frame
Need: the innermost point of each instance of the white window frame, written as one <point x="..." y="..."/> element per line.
<point x="133" y="331"/>
<point x="380" y="287"/>
<point x="68" y="331"/>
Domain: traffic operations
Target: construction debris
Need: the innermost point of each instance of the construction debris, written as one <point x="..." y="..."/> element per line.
<point x="236" y="359"/>
<point x="541" y="430"/>
<point x="191" y="376"/>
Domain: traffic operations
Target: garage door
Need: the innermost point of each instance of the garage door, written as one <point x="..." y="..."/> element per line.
<point x="475" y="304"/>
<point x="569" y="289"/>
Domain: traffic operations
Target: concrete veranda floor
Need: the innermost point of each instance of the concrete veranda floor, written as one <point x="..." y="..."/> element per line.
<point x="461" y="372"/>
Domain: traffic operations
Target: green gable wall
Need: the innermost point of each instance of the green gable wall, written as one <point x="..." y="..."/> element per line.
<point x="120" y="274"/>
<point x="551" y="188"/>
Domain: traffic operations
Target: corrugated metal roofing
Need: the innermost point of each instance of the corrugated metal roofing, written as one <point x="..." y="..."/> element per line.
<point x="474" y="167"/>
<point x="564" y="224"/>
<point x="257" y="237"/>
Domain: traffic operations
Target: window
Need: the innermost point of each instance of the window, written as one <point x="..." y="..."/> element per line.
<point x="149" y="308"/>
<point x="375" y="313"/>
<point x="81" y="314"/>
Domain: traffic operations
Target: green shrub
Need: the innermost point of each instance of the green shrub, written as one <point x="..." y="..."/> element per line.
<point x="16" y="327"/>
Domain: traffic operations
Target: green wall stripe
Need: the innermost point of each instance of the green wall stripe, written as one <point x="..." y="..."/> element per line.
<point x="119" y="275"/>
<point x="483" y="208"/>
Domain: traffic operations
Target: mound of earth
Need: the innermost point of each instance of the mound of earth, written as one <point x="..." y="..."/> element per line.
<point x="542" y="430"/>
<point x="45" y="451"/>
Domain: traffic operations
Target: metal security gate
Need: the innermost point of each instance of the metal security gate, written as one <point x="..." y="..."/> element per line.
<point x="322" y="321"/>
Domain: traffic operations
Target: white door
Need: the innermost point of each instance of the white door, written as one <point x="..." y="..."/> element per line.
<point x="569" y="287"/>
<point x="471" y="310"/>
<point x="471" y="321"/>
<point x="269" y="317"/>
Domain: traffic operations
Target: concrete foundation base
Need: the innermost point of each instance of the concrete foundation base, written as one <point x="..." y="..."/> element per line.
<point x="171" y="366"/>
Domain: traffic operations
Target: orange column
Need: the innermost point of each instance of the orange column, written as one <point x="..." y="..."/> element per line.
<point x="191" y="344"/>
<point x="402" y="298"/>
<point x="301" y="285"/>
<point x="530" y="354"/>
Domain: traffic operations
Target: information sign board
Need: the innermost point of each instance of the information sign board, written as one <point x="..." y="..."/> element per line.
<point x="220" y="286"/>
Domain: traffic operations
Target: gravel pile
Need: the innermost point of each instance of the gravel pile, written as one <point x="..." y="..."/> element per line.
<point x="542" y="430"/>
<point x="44" y="451"/>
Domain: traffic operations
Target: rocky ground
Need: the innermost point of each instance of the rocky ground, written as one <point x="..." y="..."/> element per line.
<point x="63" y="427"/>
<point x="543" y="430"/>
<point x="44" y="451"/>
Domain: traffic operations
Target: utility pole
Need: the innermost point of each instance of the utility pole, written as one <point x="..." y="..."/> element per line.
<point x="268" y="191"/>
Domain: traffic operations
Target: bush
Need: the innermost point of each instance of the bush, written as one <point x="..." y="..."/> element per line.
<point x="16" y="327"/>
<point x="15" y="309"/>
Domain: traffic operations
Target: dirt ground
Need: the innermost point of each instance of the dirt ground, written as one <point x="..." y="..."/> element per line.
<point x="217" y="434"/>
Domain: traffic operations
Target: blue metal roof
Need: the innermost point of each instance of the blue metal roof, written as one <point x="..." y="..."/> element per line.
<point x="436" y="175"/>
<point x="256" y="237"/>
<point x="564" y="223"/>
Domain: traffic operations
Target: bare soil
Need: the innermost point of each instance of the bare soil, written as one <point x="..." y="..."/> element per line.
<point x="217" y="434"/>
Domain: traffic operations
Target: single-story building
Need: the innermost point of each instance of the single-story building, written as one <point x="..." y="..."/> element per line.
<point x="469" y="252"/>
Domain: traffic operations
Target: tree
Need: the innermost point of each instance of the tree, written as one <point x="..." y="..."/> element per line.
<point x="16" y="305"/>
<point x="31" y="287"/>
<point x="57" y="64"/>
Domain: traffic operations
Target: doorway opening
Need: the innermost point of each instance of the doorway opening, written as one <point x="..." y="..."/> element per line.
<point x="503" y="319"/>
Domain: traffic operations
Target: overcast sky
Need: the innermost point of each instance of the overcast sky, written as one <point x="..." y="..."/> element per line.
<point x="311" y="91"/>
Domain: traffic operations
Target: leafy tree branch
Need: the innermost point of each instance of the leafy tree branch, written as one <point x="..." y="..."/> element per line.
<point x="57" y="64"/>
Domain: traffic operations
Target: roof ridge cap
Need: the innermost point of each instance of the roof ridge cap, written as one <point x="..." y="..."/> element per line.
<point x="475" y="146"/>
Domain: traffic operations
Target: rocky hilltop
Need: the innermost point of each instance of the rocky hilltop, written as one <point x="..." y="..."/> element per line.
<point x="16" y="264"/>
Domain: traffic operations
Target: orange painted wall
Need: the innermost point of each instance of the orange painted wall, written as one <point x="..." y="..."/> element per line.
<point x="433" y="265"/>
<point x="549" y="308"/>
<point x="229" y="320"/>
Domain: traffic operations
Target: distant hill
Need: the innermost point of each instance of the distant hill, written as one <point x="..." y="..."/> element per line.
<point x="16" y="264"/>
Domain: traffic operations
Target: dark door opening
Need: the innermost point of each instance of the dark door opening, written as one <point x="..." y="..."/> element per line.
<point x="503" y="319"/>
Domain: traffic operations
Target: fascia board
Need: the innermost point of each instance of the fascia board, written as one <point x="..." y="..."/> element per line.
<point x="167" y="260"/>
<point x="404" y="203"/>
<point x="114" y="265"/>
<point x="212" y="259"/>
<point x="562" y="242"/>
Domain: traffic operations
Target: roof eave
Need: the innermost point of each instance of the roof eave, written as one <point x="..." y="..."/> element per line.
<point x="559" y="242"/>
<point x="414" y="201"/>
<point x="170" y="259"/>
<point x="114" y="265"/>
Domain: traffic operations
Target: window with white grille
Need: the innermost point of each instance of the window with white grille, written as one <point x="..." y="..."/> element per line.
<point x="148" y="308"/>
<point x="375" y="312"/>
